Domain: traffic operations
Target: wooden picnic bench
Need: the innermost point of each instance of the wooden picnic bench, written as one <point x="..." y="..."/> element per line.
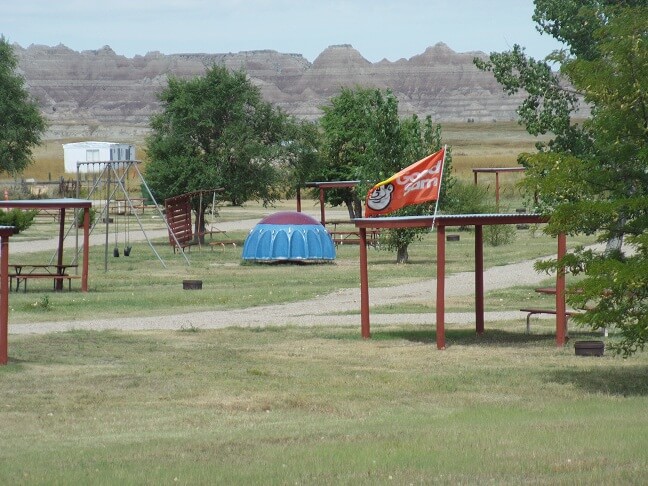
<point x="532" y="311"/>
<point x="24" y="272"/>
<point x="351" y="237"/>
<point x="124" y="206"/>
<point x="568" y="313"/>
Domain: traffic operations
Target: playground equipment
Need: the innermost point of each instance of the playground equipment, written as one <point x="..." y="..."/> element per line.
<point x="182" y="232"/>
<point x="112" y="177"/>
<point x="288" y="236"/>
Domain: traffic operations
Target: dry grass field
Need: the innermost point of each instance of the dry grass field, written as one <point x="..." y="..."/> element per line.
<point x="473" y="145"/>
<point x="48" y="159"/>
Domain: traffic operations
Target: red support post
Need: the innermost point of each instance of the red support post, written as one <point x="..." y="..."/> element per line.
<point x="479" y="279"/>
<point x="322" y="210"/>
<point x="561" y="318"/>
<point x="59" y="260"/>
<point x="364" y="285"/>
<point x="4" y="300"/>
<point x="86" y="249"/>
<point x="440" y="294"/>
<point x="298" y="199"/>
<point x="497" y="190"/>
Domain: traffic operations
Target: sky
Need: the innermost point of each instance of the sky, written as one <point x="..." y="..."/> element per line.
<point x="378" y="29"/>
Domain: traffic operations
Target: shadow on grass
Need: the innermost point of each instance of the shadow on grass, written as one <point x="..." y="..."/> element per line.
<point x="454" y="337"/>
<point x="464" y="337"/>
<point x="411" y="262"/>
<point x="611" y="380"/>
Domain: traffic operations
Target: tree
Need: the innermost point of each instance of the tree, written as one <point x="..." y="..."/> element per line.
<point x="359" y="128"/>
<point x="418" y="140"/>
<point x="365" y="140"/>
<point x="216" y="131"/>
<point x="593" y="177"/>
<point x="21" y="124"/>
<point x="302" y="162"/>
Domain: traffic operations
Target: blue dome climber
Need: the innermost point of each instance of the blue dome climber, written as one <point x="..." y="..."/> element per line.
<point x="288" y="236"/>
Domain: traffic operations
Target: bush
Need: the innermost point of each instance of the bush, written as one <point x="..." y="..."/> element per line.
<point x="466" y="198"/>
<point x="79" y="217"/>
<point x="499" y="234"/>
<point x="19" y="219"/>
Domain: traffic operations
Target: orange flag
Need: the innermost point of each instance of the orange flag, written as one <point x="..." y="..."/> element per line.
<point x="416" y="184"/>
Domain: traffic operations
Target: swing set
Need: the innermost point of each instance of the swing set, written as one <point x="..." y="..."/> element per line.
<point x="127" y="245"/>
<point x="110" y="178"/>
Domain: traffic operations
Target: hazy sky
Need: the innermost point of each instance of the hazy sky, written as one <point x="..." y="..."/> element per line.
<point x="379" y="29"/>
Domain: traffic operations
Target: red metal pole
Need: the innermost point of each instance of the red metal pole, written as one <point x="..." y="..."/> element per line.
<point x="497" y="187"/>
<point x="479" y="279"/>
<point x="364" y="286"/>
<point x="322" y="210"/>
<point x="298" y="199"/>
<point x="440" y="296"/>
<point x="59" y="261"/>
<point x="4" y="303"/>
<point x="561" y="319"/>
<point x="86" y="249"/>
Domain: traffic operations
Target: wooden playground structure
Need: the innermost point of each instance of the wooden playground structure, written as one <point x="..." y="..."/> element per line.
<point x="185" y="233"/>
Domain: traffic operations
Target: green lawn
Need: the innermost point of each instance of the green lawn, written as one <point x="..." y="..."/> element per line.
<point x="315" y="405"/>
<point x="319" y="406"/>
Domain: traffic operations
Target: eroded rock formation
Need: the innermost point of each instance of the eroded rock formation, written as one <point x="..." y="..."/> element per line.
<point x="100" y="92"/>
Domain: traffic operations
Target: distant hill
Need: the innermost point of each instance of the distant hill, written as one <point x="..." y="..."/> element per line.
<point x="102" y="94"/>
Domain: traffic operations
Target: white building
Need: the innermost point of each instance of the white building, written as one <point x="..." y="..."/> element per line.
<point x="94" y="152"/>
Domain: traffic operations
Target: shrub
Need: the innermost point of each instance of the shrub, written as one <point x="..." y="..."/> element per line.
<point x="79" y="217"/>
<point x="499" y="234"/>
<point x="19" y="219"/>
<point x="466" y="198"/>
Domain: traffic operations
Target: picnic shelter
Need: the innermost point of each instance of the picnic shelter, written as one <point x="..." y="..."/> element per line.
<point x="440" y="222"/>
<point x="322" y="187"/>
<point x="62" y="206"/>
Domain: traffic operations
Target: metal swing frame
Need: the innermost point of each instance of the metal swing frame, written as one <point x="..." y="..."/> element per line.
<point x="116" y="171"/>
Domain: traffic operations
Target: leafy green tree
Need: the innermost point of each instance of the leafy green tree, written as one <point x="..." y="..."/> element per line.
<point x="592" y="177"/>
<point x="215" y="131"/>
<point x="365" y="140"/>
<point x="301" y="161"/>
<point x="419" y="139"/>
<point x="21" y="124"/>
<point x="359" y="127"/>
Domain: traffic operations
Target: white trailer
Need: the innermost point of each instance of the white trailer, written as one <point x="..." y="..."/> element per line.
<point x="94" y="152"/>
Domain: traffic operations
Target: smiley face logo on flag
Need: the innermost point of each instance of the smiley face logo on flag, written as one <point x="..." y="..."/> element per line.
<point x="379" y="199"/>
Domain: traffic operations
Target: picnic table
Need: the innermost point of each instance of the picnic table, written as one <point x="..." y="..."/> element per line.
<point x="537" y="310"/>
<point x="62" y="206"/>
<point x="58" y="273"/>
<point x="347" y="236"/>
